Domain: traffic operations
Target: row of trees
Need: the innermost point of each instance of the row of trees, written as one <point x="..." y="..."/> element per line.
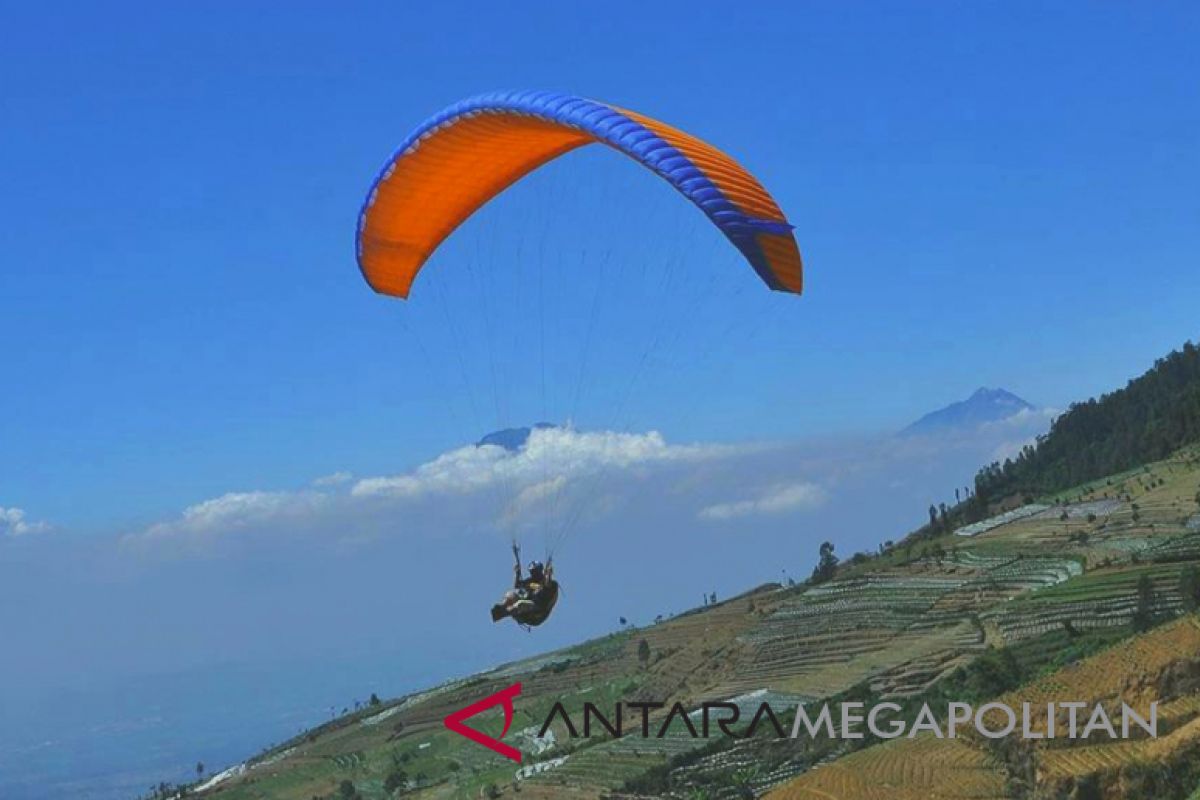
<point x="165" y="790"/>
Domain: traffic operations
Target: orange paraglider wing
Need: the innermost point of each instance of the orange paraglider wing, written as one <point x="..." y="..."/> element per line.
<point x="459" y="159"/>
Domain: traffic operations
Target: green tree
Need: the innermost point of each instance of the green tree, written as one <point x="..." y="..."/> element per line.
<point x="396" y="779"/>
<point x="1088" y="788"/>
<point x="1189" y="588"/>
<point x="1143" y="614"/>
<point x="743" y="780"/>
<point x="643" y="652"/>
<point x="826" y="564"/>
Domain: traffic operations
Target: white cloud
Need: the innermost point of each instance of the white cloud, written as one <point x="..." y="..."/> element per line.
<point x="535" y="497"/>
<point x="778" y="499"/>
<point x="14" y="523"/>
<point x="1038" y="419"/>
<point x="333" y="479"/>
<point x="557" y="452"/>
<point x="1020" y="429"/>
<point x="575" y="477"/>
<point x="517" y="483"/>
<point x="237" y="510"/>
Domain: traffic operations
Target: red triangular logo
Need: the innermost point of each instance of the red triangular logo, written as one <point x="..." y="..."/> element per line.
<point x="455" y="721"/>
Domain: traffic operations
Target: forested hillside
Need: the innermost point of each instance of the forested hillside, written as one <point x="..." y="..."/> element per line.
<point x="1145" y="421"/>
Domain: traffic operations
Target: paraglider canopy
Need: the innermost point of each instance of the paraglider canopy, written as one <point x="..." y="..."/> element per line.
<point x="550" y="476"/>
<point x="457" y="160"/>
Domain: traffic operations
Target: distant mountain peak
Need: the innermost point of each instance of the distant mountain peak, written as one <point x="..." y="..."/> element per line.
<point x="513" y="439"/>
<point x="985" y="405"/>
<point x="985" y="393"/>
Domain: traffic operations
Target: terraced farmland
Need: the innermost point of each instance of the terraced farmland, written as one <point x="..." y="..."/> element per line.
<point x="916" y="769"/>
<point x="1104" y="598"/>
<point x="966" y="768"/>
<point x="1037" y="582"/>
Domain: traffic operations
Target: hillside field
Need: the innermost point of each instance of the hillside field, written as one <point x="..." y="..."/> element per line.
<point x="1051" y="595"/>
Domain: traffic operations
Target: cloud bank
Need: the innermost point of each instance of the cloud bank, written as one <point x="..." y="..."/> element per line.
<point x="13" y="522"/>
<point x="235" y="511"/>
<point x="561" y="475"/>
<point x="557" y="452"/>
<point x="779" y="499"/>
<point x="486" y="481"/>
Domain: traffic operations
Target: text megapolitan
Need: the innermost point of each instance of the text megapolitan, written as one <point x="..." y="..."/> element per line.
<point x="854" y="720"/>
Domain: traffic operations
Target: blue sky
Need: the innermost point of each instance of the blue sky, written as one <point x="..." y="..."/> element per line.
<point x="1000" y="194"/>
<point x="996" y="194"/>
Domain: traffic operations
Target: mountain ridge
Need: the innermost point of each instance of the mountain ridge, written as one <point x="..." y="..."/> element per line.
<point x="513" y="439"/>
<point x="983" y="406"/>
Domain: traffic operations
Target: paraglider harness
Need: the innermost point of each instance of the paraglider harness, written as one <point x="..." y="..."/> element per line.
<point x="532" y="598"/>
